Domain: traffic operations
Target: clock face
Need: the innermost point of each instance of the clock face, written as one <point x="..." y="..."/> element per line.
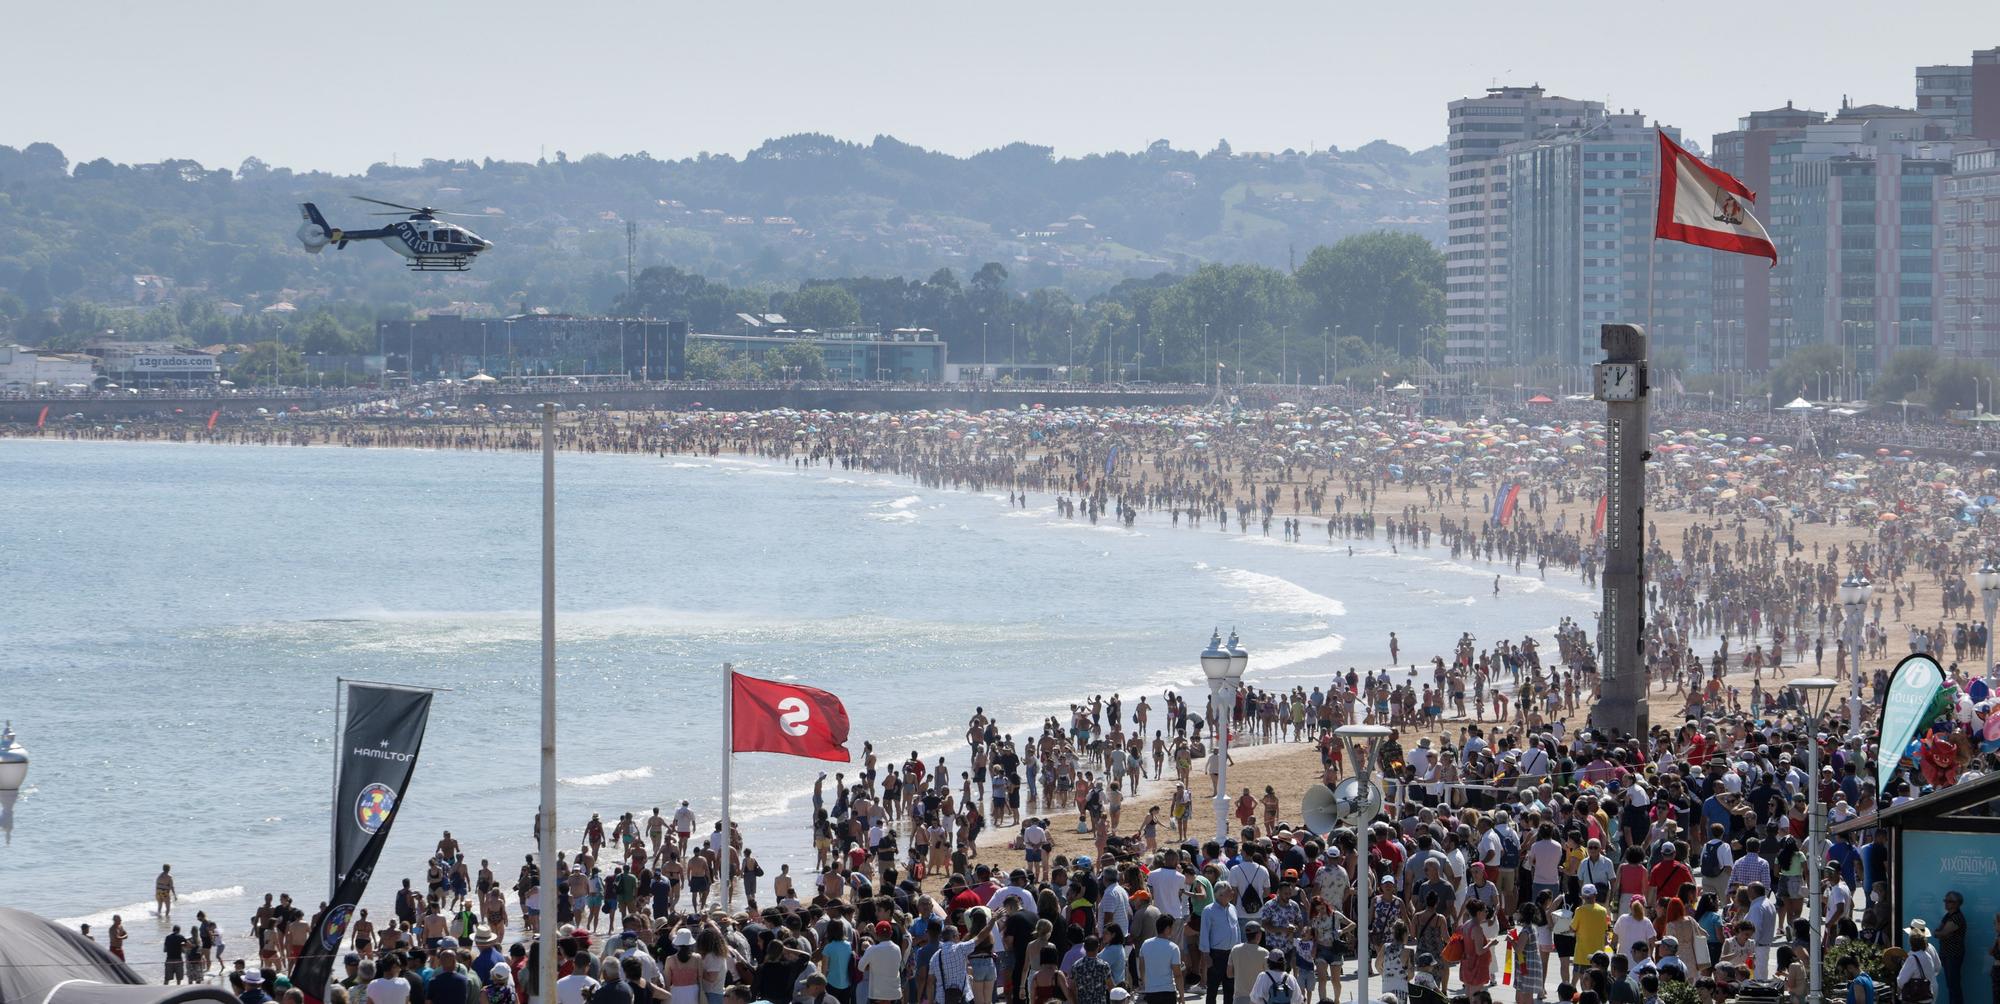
<point x="1618" y="381"/>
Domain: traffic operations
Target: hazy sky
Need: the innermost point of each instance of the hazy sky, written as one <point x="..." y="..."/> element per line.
<point x="342" y="85"/>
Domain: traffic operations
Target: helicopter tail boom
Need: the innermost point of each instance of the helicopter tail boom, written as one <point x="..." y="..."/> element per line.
<point x="315" y="234"/>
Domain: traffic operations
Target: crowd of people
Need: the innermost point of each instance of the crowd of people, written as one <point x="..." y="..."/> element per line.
<point x="1518" y="852"/>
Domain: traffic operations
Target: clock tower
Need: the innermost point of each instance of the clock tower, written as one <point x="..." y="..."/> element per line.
<point x="1621" y="628"/>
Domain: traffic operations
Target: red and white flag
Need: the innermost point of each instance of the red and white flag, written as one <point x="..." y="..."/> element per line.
<point x="1701" y="205"/>
<point x="772" y="717"/>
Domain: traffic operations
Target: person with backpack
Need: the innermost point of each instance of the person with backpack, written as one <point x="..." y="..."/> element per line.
<point x="1276" y="984"/>
<point x="1717" y="861"/>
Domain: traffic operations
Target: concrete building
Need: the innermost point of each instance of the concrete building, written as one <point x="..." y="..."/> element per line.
<point x="1579" y="220"/>
<point x="451" y="346"/>
<point x="24" y="370"/>
<point x="1740" y="292"/>
<point x="905" y="355"/>
<point x="1963" y="100"/>
<point x="1968" y="256"/>
<point x="152" y="364"/>
<point x="1476" y="243"/>
<point x="1853" y="214"/>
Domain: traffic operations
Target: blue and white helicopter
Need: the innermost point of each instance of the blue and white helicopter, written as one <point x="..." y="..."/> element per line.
<point x="429" y="244"/>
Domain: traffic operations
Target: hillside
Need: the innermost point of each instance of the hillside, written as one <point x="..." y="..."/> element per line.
<point x="796" y="207"/>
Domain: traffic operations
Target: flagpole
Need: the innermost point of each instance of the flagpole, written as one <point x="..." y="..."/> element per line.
<point x="1659" y="179"/>
<point x="333" y="843"/>
<point x="728" y="755"/>
<point x="545" y="982"/>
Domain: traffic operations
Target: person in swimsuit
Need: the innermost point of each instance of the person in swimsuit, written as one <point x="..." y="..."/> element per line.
<point x="116" y="936"/>
<point x="698" y="873"/>
<point x="163" y="892"/>
<point x="1048" y="984"/>
<point x="364" y="935"/>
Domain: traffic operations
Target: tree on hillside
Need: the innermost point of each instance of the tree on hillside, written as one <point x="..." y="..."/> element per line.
<point x="1385" y="287"/>
<point x="822" y="306"/>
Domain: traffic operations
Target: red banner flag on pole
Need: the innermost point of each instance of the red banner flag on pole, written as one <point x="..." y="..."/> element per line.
<point x="212" y="416"/>
<point x="1701" y="205"/>
<point x="771" y="717"/>
<point x="43" y="418"/>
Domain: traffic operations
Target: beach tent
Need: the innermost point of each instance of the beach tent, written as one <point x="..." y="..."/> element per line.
<point x="1798" y="404"/>
<point x="42" y="962"/>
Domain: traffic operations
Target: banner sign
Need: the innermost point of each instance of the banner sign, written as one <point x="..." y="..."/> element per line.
<point x="378" y="755"/>
<point x="1933" y="864"/>
<point x="1912" y="688"/>
<point x="172" y="364"/>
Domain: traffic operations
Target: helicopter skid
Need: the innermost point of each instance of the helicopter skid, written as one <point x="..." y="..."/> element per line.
<point x="440" y="263"/>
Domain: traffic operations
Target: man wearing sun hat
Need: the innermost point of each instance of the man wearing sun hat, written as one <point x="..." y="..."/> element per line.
<point x="488" y="944"/>
<point x="253" y="989"/>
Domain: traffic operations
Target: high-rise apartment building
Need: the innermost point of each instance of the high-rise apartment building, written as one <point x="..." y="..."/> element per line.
<point x="1580" y="215"/>
<point x="1969" y="256"/>
<point x="1740" y="295"/>
<point x="1964" y="100"/>
<point x="1476" y="245"/>
<point x="1854" y="203"/>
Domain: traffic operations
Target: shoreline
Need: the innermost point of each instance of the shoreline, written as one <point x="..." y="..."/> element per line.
<point x="1287" y="768"/>
<point x="789" y="815"/>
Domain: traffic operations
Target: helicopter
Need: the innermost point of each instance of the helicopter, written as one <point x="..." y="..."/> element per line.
<point x="430" y="245"/>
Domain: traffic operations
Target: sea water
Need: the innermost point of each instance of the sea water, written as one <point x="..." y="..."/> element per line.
<point x="173" y="620"/>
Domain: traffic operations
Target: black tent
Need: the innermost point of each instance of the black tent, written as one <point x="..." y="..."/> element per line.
<point x="42" y="962"/>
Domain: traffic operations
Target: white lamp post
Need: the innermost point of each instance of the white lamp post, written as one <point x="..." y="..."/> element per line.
<point x="13" y="761"/>
<point x="1854" y="593"/>
<point x="1360" y="742"/>
<point x="1224" y="669"/>
<point x="1988" y="580"/>
<point x="1814" y="692"/>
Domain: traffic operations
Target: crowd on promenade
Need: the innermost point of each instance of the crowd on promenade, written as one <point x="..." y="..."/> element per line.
<point x="1579" y="866"/>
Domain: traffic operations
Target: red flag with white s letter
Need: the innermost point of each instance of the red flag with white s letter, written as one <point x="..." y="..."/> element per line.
<point x="772" y="717"/>
<point x="1704" y="206"/>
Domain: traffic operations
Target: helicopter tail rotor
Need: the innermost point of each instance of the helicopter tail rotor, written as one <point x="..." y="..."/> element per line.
<point x="314" y="232"/>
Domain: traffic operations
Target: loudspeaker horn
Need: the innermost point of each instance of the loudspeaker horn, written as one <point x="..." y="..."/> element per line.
<point x="1321" y="809"/>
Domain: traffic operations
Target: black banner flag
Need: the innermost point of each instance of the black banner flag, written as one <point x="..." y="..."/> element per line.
<point x="378" y="755"/>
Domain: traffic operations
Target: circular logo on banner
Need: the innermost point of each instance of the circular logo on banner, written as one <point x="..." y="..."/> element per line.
<point x="335" y="927"/>
<point x="372" y="809"/>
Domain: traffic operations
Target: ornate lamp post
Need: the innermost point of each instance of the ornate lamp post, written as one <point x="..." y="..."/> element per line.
<point x="1854" y="593"/>
<point x="1815" y="693"/>
<point x="1360" y="742"/>
<point x="1988" y="580"/>
<point x="1224" y="669"/>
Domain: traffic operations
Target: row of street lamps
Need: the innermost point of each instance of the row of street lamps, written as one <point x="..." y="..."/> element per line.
<point x="1224" y="666"/>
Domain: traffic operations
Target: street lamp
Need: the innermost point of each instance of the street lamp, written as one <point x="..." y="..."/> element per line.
<point x="1814" y="692"/>
<point x="1224" y="669"/>
<point x="1988" y="578"/>
<point x="1360" y="742"/>
<point x="1854" y="593"/>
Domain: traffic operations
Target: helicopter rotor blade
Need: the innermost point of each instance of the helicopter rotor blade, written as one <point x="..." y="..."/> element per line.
<point x="391" y="205"/>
